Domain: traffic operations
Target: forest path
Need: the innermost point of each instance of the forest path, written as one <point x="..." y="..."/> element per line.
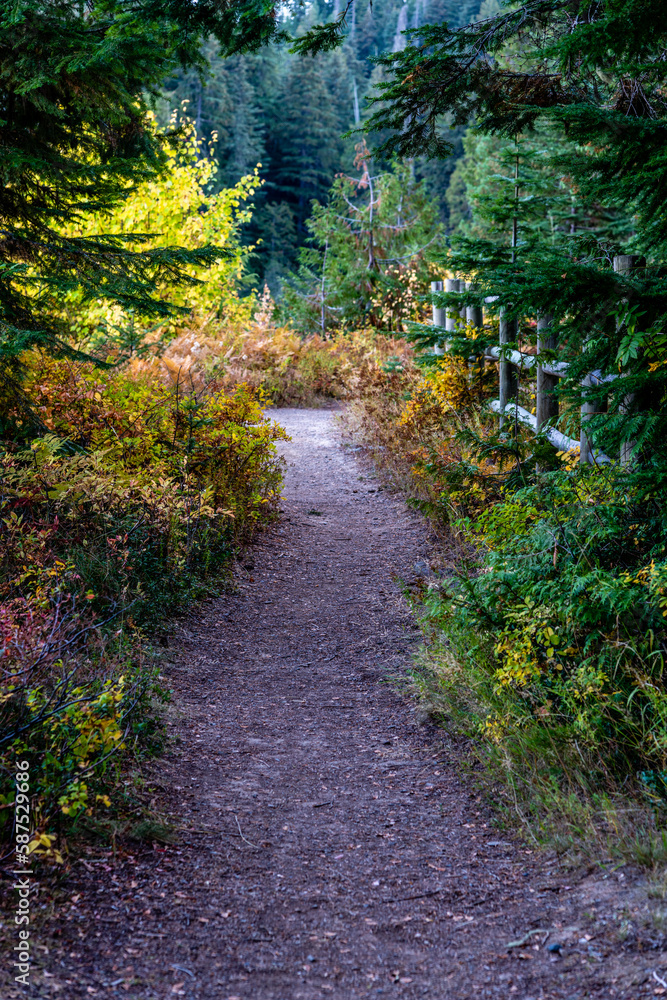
<point x="328" y="845"/>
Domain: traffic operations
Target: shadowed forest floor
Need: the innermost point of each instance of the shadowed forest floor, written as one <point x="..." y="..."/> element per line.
<point x="328" y="844"/>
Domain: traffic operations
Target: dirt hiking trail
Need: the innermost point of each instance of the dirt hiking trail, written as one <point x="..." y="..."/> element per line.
<point x="328" y="845"/>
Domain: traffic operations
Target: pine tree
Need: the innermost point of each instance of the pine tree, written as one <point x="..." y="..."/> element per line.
<point x="305" y="146"/>
<point x="365" y="260"/>
<point x="244" y="146"/>
<point x="593" y="77"/>
<point x="438" y="176"/>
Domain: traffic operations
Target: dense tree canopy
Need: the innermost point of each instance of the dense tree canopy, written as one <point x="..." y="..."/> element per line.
<point x="290" y="112"/>
<point x="585" y="81"/>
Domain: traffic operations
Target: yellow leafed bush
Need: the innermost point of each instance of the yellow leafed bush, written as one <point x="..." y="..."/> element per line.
<point x="175" y="209"/>
<point x="138" y="491"/>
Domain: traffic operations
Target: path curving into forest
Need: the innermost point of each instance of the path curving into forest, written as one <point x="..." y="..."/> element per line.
<point x="329" y="846"/>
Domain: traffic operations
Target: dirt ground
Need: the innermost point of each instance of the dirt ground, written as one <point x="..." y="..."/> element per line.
<point x="328" y="845"/>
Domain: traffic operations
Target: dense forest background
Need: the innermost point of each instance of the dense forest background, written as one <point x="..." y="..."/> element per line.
<point x="290" y="114"/>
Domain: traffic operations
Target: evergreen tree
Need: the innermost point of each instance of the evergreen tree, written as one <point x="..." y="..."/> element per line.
<point x="365" y="263"/>
<point x="246" y="110"/>
<point x="305" y="143"/>
<point x="498" y="180"/>
<point x="243" y="146"/>
<point x="438" y="176"/>
<point x="593" y="78"/>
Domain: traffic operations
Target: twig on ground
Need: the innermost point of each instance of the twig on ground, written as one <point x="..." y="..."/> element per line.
<point x="181" y="968"/>
<point x="420" y="895"/>
<point x="527" y="937"/>
<point x="245" y="841"/>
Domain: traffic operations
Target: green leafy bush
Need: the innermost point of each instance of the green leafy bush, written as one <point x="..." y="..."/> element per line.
<point x="546" y="634"/>
<point x="571" y="600"/>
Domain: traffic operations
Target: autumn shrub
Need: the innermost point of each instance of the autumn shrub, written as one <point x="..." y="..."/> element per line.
<point x="414" y="420"/>
<point x="136" y="492"/>
<point x="547" y="642"/>
<point x="288" y="368"/>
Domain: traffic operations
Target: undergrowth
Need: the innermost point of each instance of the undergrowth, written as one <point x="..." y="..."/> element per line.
<point x="545" y="644"/>
<point x="289" y="369"/>
<point x="135" y="492"/>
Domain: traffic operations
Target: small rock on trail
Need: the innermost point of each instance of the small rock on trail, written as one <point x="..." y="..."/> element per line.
<point x="328" y="845"/>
